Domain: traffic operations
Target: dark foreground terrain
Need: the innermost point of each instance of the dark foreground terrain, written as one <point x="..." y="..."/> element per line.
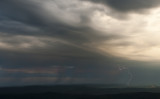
<point x="81" y="96"/>
<point x="77" y="92"/>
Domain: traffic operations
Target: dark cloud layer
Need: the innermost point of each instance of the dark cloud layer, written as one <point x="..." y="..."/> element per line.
<point x="129" y="5"/>
<point x="32" y="37"/>
<point x="20" y="18"/>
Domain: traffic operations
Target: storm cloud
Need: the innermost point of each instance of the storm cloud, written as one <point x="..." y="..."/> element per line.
<point x="29" y="30"/>
<point x="80" y="41"/>
<point x="129" y="5"/>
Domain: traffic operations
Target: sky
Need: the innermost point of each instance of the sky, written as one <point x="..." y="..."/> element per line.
<point x="48" y="42"/>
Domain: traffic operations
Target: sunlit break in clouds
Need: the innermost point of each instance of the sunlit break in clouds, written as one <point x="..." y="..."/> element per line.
<point x="79" y="42"/>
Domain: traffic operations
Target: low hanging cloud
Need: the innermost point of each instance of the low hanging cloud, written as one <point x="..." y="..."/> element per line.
<point x="48" y="32"/>
<point x="84" y="34"/>
<point x="129" y="5"/>
<point x="72" y="25"/>
<point x="56" y="31"/>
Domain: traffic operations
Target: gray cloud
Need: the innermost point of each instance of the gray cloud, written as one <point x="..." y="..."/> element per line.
<point x="29" y="29"/>
<point x="129" y="5"/>
<point x="41" y="34"/>
<point x="25" y="25"/>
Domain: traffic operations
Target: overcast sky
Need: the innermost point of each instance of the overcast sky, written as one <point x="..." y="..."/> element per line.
<point x="79" y="41"/>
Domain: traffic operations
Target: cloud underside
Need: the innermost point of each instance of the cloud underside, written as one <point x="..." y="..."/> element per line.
<point x="38" y="33"/>
<point x="78" y="41"/>
<point x="129" y="5"/>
